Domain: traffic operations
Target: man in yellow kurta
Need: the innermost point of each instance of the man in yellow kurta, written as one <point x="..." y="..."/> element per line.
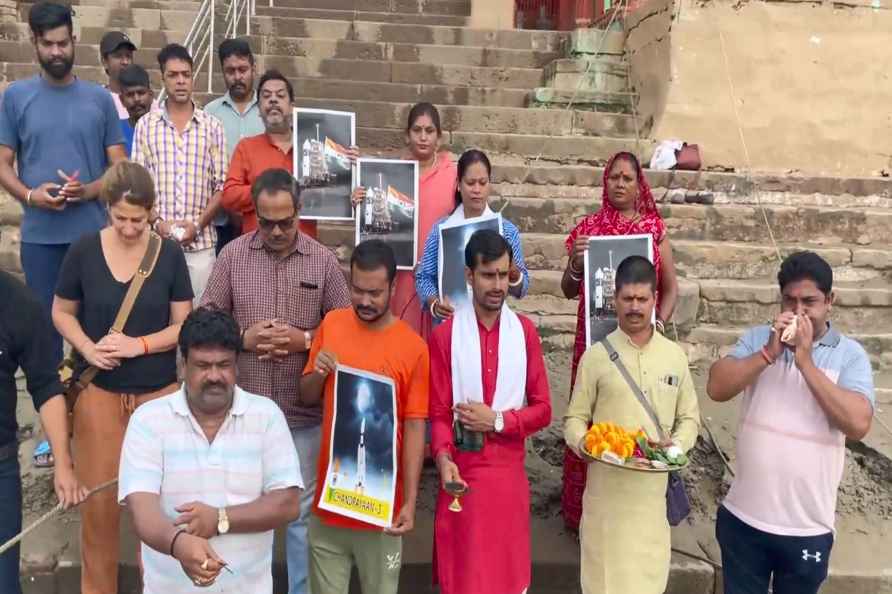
<point x="624" y="534"/>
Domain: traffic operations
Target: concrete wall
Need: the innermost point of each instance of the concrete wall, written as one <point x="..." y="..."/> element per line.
<point x="648" y="44"/>
<point x="811" y="83"/>
<point x="492" y="14"/>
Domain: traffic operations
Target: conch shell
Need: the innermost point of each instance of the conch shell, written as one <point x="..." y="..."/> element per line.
<point x="789" y="335"/>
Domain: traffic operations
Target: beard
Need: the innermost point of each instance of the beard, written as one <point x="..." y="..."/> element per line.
<point x="59" y="68"/>
<point x="239" y="91"/>
<point x="370" y="315"/>
<point x="278" y="125"/>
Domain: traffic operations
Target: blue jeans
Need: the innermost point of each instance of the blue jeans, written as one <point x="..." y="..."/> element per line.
<point x="41" y="263"/>
<point x="10" y="523"/>
<point x="297" y="549"/>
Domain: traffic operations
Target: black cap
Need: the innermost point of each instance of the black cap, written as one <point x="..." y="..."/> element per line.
<point x="112" y="40"/>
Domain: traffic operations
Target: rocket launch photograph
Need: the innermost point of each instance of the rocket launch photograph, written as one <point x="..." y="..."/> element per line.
<point x="601" y="261"/>
<point x="389" y="210"/>
<point x="322" y="164"/>
<point x="361" y="478"/>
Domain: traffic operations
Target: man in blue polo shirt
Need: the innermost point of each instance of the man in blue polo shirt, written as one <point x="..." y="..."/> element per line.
<point x="64" y="133"/>
<point x="806" y="389"/>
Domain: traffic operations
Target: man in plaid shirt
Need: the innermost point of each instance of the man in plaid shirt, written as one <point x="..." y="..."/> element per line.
<point x="184" y="149"/>
<point x="278" y="284"/>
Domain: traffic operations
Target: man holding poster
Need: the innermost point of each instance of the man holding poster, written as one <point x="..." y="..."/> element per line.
<point x="371" y="372"/>
<point x="489" y="392"/>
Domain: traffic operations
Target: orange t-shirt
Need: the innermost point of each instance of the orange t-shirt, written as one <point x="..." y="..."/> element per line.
<point x="395" y="352"/>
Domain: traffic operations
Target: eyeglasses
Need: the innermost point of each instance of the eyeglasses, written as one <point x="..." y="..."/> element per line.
<point x="283" y="224"/>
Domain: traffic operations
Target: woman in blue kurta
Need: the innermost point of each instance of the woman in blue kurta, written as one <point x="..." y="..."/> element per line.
<point x="471" y="201"/>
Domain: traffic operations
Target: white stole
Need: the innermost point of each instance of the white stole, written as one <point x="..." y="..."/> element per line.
<point x="458" y="215"/>
<point x="467" y="372"/>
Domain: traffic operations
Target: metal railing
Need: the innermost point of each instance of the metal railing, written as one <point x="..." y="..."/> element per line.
<point x="200" y="40"/>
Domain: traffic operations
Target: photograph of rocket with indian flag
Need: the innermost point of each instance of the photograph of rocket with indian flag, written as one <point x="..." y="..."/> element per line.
<point x="322" y="162"/>
<point x="389" y="211"/>
<point x="361" y="478"/>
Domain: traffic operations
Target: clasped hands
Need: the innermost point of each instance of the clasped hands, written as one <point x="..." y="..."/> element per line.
<point x="111" y="349"/>
<point x="273" y="340"/>
<point x="476" y="416"/>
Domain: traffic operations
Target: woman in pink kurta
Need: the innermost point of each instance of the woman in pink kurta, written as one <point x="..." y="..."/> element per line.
<point x="485" y="548"/>
<point x="436" y="188"/>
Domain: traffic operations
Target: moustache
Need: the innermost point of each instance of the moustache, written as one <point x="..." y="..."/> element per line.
<point x="207" y="387"/>
<point x="369" y="310"/>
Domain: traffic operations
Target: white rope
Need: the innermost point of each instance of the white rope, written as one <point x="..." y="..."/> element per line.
<point x="42" y="519"/>
<point x="746" y="152"/>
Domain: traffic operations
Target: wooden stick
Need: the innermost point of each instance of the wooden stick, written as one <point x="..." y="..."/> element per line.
<point x="16" y="539"/>
<point x="715" y="445"/>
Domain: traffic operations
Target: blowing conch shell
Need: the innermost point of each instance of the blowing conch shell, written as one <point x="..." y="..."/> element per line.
<point x="789" y="335"/>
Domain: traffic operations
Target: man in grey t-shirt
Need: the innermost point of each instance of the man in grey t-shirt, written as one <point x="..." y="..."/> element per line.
<point x="63" y="133"/>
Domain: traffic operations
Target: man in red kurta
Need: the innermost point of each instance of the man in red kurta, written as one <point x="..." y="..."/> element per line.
<point x="489" y="391"/>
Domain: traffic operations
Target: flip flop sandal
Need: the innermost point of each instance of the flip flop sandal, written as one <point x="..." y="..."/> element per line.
<point x="43" y="455"/>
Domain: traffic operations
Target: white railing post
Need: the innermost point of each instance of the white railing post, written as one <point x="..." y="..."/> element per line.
<point x="210" y="53"/>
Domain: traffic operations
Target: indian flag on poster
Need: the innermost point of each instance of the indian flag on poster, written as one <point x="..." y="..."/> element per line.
<point x="398" y="200"/>
<point x="335" y="151"/>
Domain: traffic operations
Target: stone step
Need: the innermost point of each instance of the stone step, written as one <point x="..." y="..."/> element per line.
<point x="405" y="72"/>
<point x="739" y="303"/>
<point x="151" y="19"/>
<point x="278" y="18"/>
<point x="144" y="39"/>
<point x="550" y="147"/>
<point x="728" y="187"/>
<point x="439" y="35"/>
<point x="724" y="222"/>
<point x="722" y="260"/>
<point x="436" y="7"/>
<point x="391" y="32"/>
<point x="401" y="52"/>
<point x="708" y="342"/>
<point x="79" y="5"/>
<point x="620" y="101"/>
<point x="481" y="119"/>
<point x="441" y="95"/>
<point x="605" y="75"/>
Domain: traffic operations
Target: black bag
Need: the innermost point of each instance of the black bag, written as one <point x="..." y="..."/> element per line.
<point x="678" y="506"/>
<point x="466" y="440"/>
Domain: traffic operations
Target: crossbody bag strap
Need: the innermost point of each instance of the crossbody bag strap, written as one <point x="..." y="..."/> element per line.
<point x="615" y="358"/>
<point x="146" y="266"/>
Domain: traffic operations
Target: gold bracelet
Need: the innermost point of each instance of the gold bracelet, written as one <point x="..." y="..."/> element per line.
<point x="28" y="197"/>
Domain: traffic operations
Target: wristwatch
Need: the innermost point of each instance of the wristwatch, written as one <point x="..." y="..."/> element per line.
<point x="222" y="521"/>
<point x="499" y="424"/>
<point x="308" y="340"/>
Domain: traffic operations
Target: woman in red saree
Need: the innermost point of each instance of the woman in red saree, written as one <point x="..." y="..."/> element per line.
<point x="627" y="208"/>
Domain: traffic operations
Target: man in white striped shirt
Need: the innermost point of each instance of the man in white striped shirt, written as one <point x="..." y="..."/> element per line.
<point x="209" y="472"/>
